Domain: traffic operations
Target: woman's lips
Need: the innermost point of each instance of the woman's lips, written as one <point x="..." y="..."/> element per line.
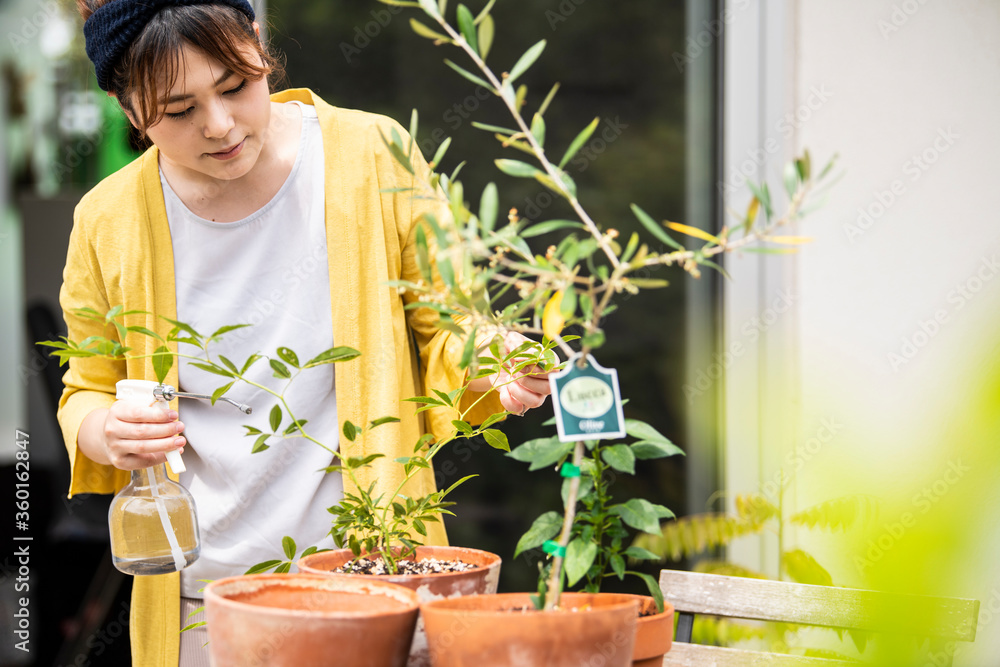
<point x="229" y="153"/>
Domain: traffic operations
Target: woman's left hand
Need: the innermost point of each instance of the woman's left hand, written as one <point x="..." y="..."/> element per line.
<point x="524" y="389"/>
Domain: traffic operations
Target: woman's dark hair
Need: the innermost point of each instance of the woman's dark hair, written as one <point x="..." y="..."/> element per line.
<point x="150" y="67"/>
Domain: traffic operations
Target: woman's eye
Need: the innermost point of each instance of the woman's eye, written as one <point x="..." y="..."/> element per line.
<point x="180" y="114"/>
<point x="238" y="89"/>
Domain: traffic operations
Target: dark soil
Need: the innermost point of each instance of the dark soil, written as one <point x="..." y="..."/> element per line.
<point x="424" y="566"/>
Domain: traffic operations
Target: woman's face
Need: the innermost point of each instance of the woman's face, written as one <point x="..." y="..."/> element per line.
<point x="214" y="122"/>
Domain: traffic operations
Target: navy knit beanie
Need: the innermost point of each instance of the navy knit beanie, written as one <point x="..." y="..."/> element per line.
<point x="111" y="29"/>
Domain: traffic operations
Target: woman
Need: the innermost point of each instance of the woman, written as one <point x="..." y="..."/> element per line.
<point x="248" y="208"/>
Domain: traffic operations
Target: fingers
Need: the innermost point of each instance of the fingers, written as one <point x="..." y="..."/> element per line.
<point x="139" y="437"/>
<point x="518" y="400"/>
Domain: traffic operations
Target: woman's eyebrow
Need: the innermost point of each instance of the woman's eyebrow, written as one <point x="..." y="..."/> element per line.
<point x="180" y="98"/>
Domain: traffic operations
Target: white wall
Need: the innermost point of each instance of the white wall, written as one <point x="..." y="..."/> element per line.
<point x="890" y="346"/>
<point x="871" y="382"/>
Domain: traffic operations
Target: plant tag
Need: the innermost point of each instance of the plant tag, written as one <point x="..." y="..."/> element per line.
<point x="587" y="402"/>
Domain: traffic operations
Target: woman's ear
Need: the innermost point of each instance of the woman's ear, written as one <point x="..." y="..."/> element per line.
<point x="256" y="29"/>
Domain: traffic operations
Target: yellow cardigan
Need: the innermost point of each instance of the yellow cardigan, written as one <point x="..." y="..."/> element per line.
<point x="120" y="253"/>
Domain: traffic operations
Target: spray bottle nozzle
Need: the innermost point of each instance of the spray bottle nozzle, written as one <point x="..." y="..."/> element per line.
<point x="168" y="393"/>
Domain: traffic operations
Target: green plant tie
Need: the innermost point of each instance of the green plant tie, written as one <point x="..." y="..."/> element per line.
<point x="569" y="470"/>
<point x="554" y="548"/>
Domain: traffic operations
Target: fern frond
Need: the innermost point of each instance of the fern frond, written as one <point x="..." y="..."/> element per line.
<point x="755" y="508"/>
<point x="692" y="535"/>
<point x="839" y="513"/>
<point x="805" y="569"/>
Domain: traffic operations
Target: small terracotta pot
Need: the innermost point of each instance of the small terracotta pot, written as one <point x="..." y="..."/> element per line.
<point x="654" y="634"/>
<point x="506" y="630"/>
<point x="479" y="581"/>
<point x="301" y="620"/>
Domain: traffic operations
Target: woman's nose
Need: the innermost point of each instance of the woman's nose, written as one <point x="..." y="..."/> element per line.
<point x="219" y="121"/>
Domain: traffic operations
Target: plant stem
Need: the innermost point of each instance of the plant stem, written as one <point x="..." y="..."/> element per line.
<point x="537" y="149"/>
<point x="555" y="577"/>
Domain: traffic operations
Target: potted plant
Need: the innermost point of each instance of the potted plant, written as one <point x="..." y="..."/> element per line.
<point x="381" y="532"/>
<point x="571" y="284"/>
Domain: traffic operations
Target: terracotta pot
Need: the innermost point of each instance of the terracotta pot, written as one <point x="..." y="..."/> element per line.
<point x="506" y="630"/>
<point x="482" y="580"/>
<point x="654" y="634"/>
<point x="304" y="620"/>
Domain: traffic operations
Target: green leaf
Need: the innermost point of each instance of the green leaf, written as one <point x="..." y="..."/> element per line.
<point x="288" y="545"/>
<point x="579" y="142"/>
<point x="526" y="61"/>
<point x="295" y="426"/>
<point x="538" y="129"/>
<point x="468" y="351"/>
<point x="261" y="443"/>
<point x="638" y="553"/>
<point x="226" y="329"/>
<point x="640" y="514"/>
<point x="649" y="283"/>
<point x="620" y="457"/>
<point x="549" y="226"/>
<point x="439" y="155"/>
<point x="229" y="364"/>
<point x="494" y="128"/>
<point x="648" y="449"/>
<point x="275" y="417"/>
<point x="182" y="326"/>
<point x="493" y="419"/>
<point x="487" y="32"/>
<point x="804" y="569"/>
<point x="542" y="452"/>
<point x="145" y="332"/>
<point x="424" y="31"/>
<point x="489" y="207"/>
<point x="655" y="229"/>
<point x="580" y="556"/>
<point x="468" y="75"/>
<point x="252" y="430"/>
<point x="288" y="356"/>
<point x="791" y="179"/>
<point x="283" y="568"/>
<point x="517" y="168"/>
<point x="263" y="567"/>
<point x="383" y="420"/>
<point x="467" y="26"/>
<point x="484" y="14"/>
<point x="249" y="362"/>
<point x="544" y="528"/>
<point x="462" y="426"/>
<point x="643" y="431"/>
<point x="333" y="355"/>
<point x="218" y="393"/>
<point x="350" y="431"/>
<point x="496" y="439"/>
<point x="430" y="7"/>
<point x="567" y="307"/>
<point x="211" y="368"/>
<point x="654" y="589"/>
<point x="395" y="147"/>
<point x="162" y="362"/>
<point x="280" y="370"/>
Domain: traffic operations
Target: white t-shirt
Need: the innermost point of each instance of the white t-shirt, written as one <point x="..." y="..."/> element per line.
<point x="269" y="270"/>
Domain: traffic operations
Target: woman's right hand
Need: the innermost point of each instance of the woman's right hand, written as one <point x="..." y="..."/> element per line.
<point x="136" y="436"/>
